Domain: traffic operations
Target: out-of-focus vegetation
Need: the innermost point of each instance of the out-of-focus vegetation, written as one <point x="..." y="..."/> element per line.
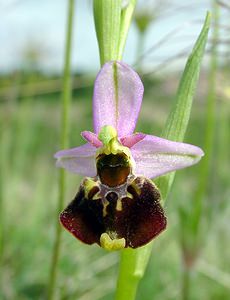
<point x="29" y="136"/>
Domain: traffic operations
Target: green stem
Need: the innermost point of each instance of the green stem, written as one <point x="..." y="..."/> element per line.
<point x="186" y="283"/>
<point x="127" y="281"/>
<point x="132" y="268"/>
<point x="66" y="101"/>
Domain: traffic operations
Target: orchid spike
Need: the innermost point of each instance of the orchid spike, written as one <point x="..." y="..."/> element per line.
<point x="117" y="205"/>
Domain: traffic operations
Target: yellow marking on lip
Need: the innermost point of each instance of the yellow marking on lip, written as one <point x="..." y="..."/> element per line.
<point x="111" y="244"/>
<point x="97" y="196"/>
<point x="105" y="204"/>
<point x="119" y="205"/>
<point x="129" y="195"/>
<point x="89" y="184"/>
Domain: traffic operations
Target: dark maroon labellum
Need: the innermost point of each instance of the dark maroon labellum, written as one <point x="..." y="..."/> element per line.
<point x="137" y="217"/>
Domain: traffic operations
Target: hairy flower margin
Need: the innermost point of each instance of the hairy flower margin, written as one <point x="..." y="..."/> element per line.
<point x="138" y="217"/>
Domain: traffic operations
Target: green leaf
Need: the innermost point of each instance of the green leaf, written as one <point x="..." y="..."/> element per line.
<point x="204" y="171"/>
<point x="176" y="125"/>
<point x="192" y="233"/>
<point x="178" y="119"/>
<point x="126" y="17"/>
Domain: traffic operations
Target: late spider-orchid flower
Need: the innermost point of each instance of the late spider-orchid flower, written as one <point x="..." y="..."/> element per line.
<point x="117" y="205"/>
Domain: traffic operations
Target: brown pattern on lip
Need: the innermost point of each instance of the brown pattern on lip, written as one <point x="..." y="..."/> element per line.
<point x="140" y="220"/>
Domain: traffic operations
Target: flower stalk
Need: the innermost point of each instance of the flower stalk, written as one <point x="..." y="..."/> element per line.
<point x="66" y="102"/>
<point x="131" y="270"/>
<point x="186" y="279"/>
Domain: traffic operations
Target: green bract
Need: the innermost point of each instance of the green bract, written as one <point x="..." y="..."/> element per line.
<point x="112" y="20"/>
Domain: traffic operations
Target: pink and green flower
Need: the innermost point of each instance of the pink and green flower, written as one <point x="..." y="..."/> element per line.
<point x="117" y="205"/>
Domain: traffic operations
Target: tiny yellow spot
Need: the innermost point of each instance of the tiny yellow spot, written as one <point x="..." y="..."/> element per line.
<point x="97" y="196"/>
<point x="119" y="205"/>
<point x="111" y="244"/>
<point x="129" y="195"/>
<point x="105" y="204"/>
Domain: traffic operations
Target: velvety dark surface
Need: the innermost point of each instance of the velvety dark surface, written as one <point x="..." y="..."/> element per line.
<point x="139" y="221"/>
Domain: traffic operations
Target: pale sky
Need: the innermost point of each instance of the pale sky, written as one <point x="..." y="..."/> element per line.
<point x="25" y="23"/>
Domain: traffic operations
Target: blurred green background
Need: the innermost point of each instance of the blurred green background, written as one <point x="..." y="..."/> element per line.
<point x="30" y="97"/>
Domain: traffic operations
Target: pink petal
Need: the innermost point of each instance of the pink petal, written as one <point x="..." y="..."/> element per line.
<point x="130" y="140"/>
<point x="92" y="138"/>
<point x="155" y="156"/>
<point x="80" y="160"/>
<point x="117" y="98"/>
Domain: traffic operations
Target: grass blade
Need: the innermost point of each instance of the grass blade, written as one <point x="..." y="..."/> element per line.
<point x="126" y="17"/>
<point x="178" y="119"/>
<point x="66" y="101"/>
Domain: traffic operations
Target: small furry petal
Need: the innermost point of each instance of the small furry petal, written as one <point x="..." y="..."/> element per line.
<point x="92" y="138"/>
<point x="130" y="140"/>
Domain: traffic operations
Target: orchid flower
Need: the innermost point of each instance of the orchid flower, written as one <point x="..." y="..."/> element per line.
<point x="117" y="206"/>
